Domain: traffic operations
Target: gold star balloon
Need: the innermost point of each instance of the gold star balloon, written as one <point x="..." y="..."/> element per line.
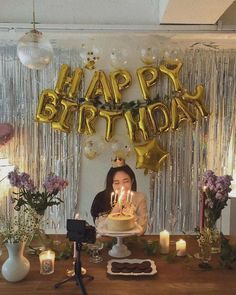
<point x="149" y="156"/>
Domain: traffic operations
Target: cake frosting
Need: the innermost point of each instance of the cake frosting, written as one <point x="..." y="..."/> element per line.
<point x="120" y="222"/>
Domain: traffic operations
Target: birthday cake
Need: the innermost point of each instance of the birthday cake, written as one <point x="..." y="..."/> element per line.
<point x="120" y="222"/>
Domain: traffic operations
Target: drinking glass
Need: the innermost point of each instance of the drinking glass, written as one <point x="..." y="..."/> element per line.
<point x="94" y="250"/>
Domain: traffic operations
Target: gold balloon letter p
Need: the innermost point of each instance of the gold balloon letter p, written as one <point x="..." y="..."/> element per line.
<point x="120" y="80"/>
<point x="147" y="77"/>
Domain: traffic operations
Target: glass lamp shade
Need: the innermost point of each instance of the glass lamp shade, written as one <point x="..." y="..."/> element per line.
<point x="34" y="51"/>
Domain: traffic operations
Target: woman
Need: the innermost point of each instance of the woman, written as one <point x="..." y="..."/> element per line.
<point x="120" y="178"/>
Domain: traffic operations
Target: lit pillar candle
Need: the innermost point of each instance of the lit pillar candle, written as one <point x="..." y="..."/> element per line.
<point x="47" y="260"/>
<point x="181" y="248"/>
<point x="202" y="207"/>
<point x="164" y="241"/>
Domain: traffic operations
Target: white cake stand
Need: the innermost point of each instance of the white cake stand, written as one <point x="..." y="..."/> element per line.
<point x="119" y="250"/>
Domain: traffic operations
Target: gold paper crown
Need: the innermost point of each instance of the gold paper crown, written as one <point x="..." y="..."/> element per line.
<point x="117" y="162"/>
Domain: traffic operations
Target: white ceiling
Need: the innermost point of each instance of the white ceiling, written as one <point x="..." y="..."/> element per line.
<point x="122" y="12"/>
<point x="189" y="20"/>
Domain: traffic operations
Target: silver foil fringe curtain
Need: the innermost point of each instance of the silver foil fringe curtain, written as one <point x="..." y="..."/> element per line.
<point x="209" y="144"/>
<point x="174" y="197"/>
<point x="36" y="148"/>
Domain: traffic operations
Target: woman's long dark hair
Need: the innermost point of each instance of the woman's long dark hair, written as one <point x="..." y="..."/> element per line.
<point x="110" y="175"/>
<point x="101" y="203"/>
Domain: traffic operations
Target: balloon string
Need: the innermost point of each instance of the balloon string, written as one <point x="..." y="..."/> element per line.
<point x="33" y="16"/>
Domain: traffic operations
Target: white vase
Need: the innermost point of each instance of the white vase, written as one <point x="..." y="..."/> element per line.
<point x="16" y="267"/>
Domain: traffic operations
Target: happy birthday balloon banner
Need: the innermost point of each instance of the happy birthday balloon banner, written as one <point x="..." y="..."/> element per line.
<point x="58" y="106"/>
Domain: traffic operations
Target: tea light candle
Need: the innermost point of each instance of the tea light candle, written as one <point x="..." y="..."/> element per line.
<point x="181" y="248"/>
<point x="164" y="242"/>
<point x="47" y="260"/>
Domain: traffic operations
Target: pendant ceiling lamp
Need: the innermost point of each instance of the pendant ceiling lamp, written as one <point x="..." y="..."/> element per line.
<point x="34" y="51"/>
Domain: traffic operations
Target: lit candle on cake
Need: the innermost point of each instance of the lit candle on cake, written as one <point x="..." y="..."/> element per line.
<point x="181" y="248"/>
<point x="112" y="198"/>
<point x="164" y="241"/>
<point x="128" y="196"/>
<point x="116" y="196"/>
<point x="47" y="259"/>
<point x="131" y="197"/>
<point x="120" y="199"/>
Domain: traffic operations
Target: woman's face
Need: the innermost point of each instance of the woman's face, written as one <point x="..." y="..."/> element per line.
<point x="121" y="179"/>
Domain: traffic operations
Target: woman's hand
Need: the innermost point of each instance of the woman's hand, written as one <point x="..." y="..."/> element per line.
<point x="116" y="208"/>
<point x="125" y="207"/>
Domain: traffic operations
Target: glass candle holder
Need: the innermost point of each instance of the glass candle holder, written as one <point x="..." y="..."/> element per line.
<point x="47" y="261"/>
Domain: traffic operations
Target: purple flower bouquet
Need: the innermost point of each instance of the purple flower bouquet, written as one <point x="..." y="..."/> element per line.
<point x="29" y="196"/>
<point x="216" y="189"/>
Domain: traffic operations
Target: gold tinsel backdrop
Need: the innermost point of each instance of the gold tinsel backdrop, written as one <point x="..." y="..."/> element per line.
<point x="173" y="195"/>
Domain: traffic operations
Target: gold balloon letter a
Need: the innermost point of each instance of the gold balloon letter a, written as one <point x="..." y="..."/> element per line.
<point x="99" y="86"/>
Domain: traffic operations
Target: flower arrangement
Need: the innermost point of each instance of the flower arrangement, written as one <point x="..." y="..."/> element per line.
<point x="29" y="196"/>
<point x="216" y="194"/>
<point x="17" y="228"/>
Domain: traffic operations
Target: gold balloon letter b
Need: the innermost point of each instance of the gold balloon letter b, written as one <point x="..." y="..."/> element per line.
<point x="46" y="109"/>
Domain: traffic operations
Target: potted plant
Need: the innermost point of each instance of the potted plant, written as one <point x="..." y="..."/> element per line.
<point x="14" y="232"/>
<point x="35" y="201"/>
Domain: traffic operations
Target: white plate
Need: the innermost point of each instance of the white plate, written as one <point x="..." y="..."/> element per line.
<point x="153" y="266"/>
<point x="103" y="230"/>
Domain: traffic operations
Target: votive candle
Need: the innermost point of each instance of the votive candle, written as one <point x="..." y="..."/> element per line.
<point x="164" y="242"/>
<point x="181" y="248"/>
<point x="47" y="260"/>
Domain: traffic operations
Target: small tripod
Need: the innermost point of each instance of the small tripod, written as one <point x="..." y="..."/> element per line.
<point x="78" y="276"/>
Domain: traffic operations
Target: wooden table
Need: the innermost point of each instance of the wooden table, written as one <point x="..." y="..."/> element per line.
<point x="183" y="276"/>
